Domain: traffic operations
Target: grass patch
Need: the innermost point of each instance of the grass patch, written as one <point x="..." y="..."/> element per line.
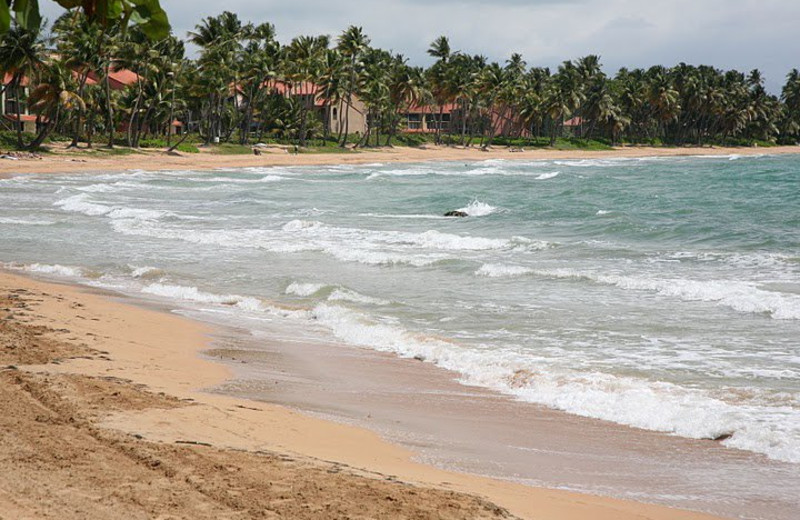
<point x="103" y="151"/>
<point x="231" y="149"/>
<point x="8" y="139"/>
<point x="325" y="149"/>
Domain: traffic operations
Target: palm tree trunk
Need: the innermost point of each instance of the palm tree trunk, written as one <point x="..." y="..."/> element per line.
<point x="18" y="108"/>
<point x="109" y="109"/>
<point x="340" y="129"/>
<point x="76" y="136"/>
<point x="44" y="132"/>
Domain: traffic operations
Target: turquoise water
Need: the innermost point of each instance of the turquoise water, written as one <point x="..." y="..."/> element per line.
<point x="661" y="293"/>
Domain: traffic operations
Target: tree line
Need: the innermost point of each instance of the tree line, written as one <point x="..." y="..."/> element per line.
<point x="226" y="93"/>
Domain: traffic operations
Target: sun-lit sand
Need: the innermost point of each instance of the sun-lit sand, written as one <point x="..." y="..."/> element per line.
<point x="62" y="161"/>
<point x="104" y="403"/>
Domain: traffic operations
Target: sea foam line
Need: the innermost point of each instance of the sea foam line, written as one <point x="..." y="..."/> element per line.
<point x="737" y="295"/>
<point x="636" y="402"/>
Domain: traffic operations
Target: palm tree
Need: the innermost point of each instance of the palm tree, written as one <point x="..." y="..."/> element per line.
<point x="304" y="61"/>
<point x="406" y="88"/>
<point x="491" y="81"/>
<point x="79" y="42"/>
<point x="352" y="44"/>
<point x="790" y="95"/>
<point x="330" y="81"/>
<point x="22" y="53"/>
<point x="53" y="96"/>
<point x="437" y="78"/>
<point x="221" y="40"/>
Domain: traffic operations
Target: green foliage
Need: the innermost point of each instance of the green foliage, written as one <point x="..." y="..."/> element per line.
<point x="231" y="149"/>
<point x="8" y="139"/>
<point x="245" y="87"/>
<point x="147" y="14"/>
<point x="414" y="140"/>
<point x="187" y="148"/>
<point x="153" y="143"/>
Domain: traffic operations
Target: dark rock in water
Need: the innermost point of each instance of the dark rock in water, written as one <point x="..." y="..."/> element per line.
<point x="722" y="437"/>
<point x="456" y="213"/>
<point x="419" y="357"/>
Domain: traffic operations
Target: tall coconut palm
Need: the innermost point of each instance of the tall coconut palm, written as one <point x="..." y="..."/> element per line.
<point x="790" y="95"/>
<point x="331" y="83"/>
<point x="352" y="44"/>
<point x="22" y="53"/>
<point x="304" y="61"/>
<point x="437" y="78"/>
<point x="79" y="43"/>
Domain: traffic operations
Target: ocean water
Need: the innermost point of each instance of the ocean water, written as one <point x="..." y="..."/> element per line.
<point x="661" y="293"/>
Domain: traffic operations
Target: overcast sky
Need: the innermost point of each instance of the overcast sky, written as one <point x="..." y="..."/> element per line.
<point x="741" y="34"/>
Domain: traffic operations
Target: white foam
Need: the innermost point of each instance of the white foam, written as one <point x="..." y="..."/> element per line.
<point x="147" y="272"/>
<point x="477" y="208"/>
<point x="82" y="203"/>
<point x="342" y="294"/>
<point x="545" y="176"/>
<point x="55" y="269"/>
<point x="193" y="294"/>
<point x="25" y="222"/>
<point x="502" y="270"/>
<point x="372" y="247"/>
<point x="737" y="295"/>
<point x="239" y="180"/>
<point x="304" y="289"/>
<point x="636" y="402"/>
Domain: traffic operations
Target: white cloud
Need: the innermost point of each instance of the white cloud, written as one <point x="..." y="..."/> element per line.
<point x="742" y="34"/>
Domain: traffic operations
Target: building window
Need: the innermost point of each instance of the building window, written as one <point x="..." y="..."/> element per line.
<point x="414" y="121"/>
<point x="432" y="121"/>
<point x="11" y="103"/>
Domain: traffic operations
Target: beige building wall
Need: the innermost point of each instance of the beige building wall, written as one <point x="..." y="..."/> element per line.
<point x="357" y="113"/>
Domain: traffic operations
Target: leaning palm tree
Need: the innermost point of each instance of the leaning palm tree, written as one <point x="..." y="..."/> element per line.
<point x="79" y="43"/>
<point x="53" y="96"/>
<point x="22" y="52"/>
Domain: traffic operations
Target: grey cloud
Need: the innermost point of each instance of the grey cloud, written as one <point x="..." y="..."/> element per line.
<point x="738" y="34"/>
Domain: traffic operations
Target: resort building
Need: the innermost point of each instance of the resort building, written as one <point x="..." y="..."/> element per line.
<point x="11" y="97"/>
<point x="429" y="118"/>
<point x="13" y="100"/>
<point x="334" y="116"/>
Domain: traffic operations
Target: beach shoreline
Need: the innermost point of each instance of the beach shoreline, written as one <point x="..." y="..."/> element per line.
<point x="163" y="352"/>
<point x="79" y="161"/>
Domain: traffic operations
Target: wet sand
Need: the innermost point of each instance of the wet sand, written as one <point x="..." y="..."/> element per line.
<point x="104" y="415"/>
<point x="424" y="408"/>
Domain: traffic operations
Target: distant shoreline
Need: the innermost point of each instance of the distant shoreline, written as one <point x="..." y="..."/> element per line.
<point x="83" y="162"/>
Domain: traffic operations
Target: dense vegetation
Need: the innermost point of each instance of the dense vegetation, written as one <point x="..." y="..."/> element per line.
<point x="221" y="95"/>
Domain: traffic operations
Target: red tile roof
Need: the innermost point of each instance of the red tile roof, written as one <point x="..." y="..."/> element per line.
<point x="283" y="87"/>
<point x="124" y="76"/>
<point x="24" y="117"/>
<point x="8" y="77"/>
<point x="432" y="109"/>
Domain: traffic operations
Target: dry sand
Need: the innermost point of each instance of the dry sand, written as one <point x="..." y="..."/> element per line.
<point x="104" y="417"/>
<point x="63" y="161"/>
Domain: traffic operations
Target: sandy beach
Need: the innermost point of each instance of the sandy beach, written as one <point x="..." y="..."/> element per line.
<point x="106" y="415"/>
<point x="108" y="401"/>
<point x="77" y="161"/>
